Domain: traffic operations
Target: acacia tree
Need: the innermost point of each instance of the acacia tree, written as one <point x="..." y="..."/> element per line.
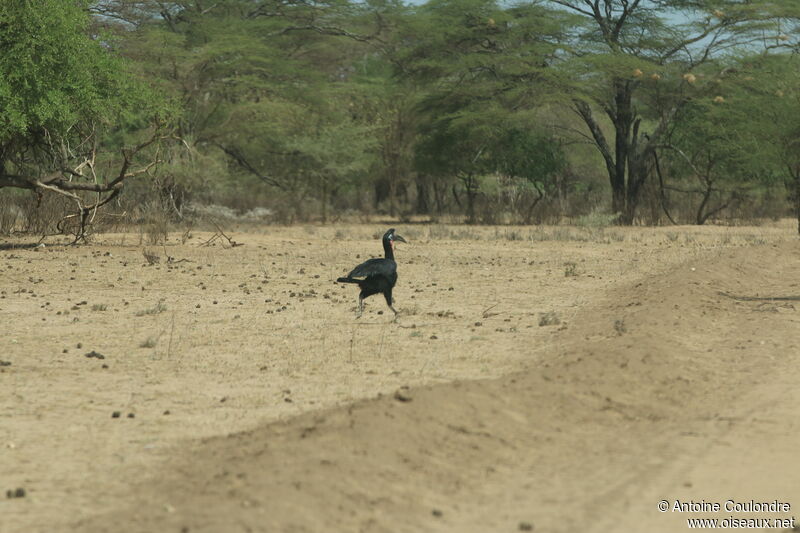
<point x="734" y="138"/>
<point x="637" y="61"/>
<point x="707" y="159"/>
<point x="260" y="83"/>
<point x="788" y="139"/>
<point x="479" y="64"/>
<point x="472" y="141"/>
<point x="773" y="91"/>
<point x="62" y="93"/>
<point x="457" y="145"/>
<point x="531" y="157"/>
<point x="387" y="107"/>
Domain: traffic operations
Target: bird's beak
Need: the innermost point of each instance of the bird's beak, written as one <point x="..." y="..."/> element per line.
<point x="399" y="238"/>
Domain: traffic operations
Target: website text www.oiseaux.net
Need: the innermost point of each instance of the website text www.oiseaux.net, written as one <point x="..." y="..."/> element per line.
<point x="731" y="507"/>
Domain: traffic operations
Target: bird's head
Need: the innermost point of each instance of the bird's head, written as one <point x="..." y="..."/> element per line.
<point x="390" y="237"/>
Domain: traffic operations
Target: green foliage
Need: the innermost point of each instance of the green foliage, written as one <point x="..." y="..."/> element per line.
<point x="256" y="87"/>
<point x="640" y="63"/>
<point x="54" y="75"/>
<point x="73" y="121"/>
<point x="469" y="106"/>
<point x="532" y="156"/>
<point x="457" y="144"/>
<point x="734" y="139"/>
<point x="482" y="66"/>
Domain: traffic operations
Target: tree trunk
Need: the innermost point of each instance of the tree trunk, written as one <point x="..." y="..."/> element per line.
<point x="794" y="183"/>
<point x="532" y="206"/>
<point x="615" y="166"/>
<point x="617" y="193"/>
<point x="423" y="197"/>
<point x="471" y="190"/>
<point x="324" y="200"/>
<point x="439" y="195"/>
<point x="622" y="115"/>
<point x="631" y="150"/>
<point x="639" y="154"/>
<point x="392" y="194"/>
<point x="661" y="192"/>
<point x="701" y="217"/>
<point x="797" y="197"/>
<point x="707" y="180"/>
<point x="471" y="219"/>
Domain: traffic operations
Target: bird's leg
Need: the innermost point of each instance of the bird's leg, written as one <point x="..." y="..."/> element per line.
<point x="389" y="302"/>
<point x="396" y="314"/>
<point x="360" y="306"/>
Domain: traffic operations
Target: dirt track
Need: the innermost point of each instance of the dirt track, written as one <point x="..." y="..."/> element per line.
<point x="669" y="377"/>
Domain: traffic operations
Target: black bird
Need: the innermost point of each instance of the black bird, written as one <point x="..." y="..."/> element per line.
<point x="376" y="275"/>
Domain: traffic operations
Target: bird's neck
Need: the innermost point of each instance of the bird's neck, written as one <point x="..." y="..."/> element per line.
<point x="388" y="250"/>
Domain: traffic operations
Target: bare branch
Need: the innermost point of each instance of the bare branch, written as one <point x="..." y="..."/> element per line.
<point x="74" y="173"/>
<point x="243" y="162"/>
<point x="330" y="30"/>
<point x="585" y="112"/>
<point x="19" y="182"/>
<point x="683" y="155"/>
<point x="627" y="10"/>
<point x="572" y="6"/>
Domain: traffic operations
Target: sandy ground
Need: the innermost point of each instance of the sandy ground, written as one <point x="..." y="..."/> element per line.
<point x="250" y="399"/>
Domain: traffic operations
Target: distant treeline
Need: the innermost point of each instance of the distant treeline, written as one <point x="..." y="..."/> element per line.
<point x="653" y="111"/>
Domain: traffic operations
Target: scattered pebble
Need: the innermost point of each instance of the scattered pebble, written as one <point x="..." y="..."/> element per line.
<point x="19" y="492"/>
<point x="402" y="395"/>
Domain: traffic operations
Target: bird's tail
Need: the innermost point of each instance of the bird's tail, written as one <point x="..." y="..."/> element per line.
<point x="347" y="280"/>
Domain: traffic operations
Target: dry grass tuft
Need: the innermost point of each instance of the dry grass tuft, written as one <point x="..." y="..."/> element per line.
<point x="549" y="318"/>
<point x="159" y="308"/>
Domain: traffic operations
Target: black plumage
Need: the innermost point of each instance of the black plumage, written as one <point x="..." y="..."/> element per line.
<point x="376" y="276"/>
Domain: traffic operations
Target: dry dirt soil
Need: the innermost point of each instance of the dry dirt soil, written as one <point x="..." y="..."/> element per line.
<point x="550" y="379"/>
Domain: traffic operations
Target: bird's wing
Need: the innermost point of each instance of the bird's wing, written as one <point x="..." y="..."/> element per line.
<point x="373" y="267"/>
